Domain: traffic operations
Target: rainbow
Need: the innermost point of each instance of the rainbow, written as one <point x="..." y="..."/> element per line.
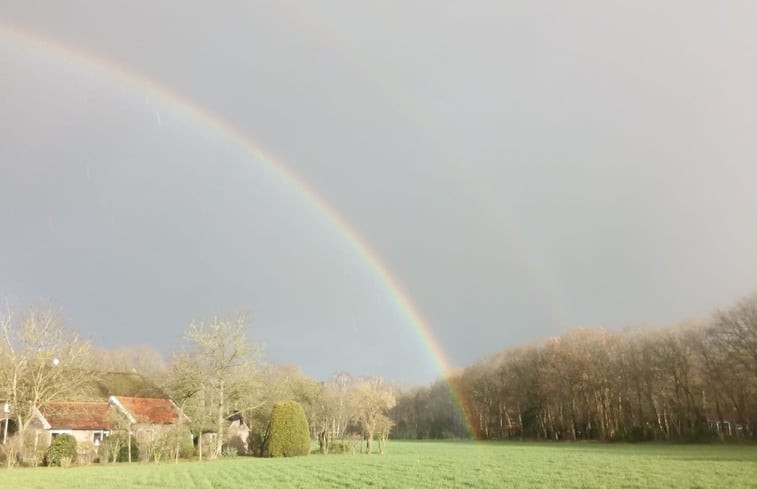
<point x="190" y="110"/>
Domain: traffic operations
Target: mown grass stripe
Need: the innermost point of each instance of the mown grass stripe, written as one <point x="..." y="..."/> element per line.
<point x="427" y="465"/>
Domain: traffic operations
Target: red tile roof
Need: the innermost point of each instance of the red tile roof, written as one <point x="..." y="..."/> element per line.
<point x="152" y="411"/>
<point x="77" y="415"/>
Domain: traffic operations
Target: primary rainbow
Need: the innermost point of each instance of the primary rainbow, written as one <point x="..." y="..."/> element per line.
<point x="189" y="109"/>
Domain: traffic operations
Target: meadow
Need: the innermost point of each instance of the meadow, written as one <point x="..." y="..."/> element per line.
<point x="432" y="465"/>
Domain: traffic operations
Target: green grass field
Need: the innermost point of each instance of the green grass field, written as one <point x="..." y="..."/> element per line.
<point x="432" y="465"/>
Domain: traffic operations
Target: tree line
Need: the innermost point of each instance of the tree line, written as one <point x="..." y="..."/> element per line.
<point x="695" y="381"/>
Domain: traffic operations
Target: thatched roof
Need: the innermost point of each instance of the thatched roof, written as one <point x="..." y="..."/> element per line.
<point x="118" y="384"/>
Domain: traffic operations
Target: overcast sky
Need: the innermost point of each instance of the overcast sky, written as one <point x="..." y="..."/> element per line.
<point x="520" y="167"/>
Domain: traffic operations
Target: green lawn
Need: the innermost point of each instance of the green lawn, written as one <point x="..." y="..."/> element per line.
<point x="432" y="465"/>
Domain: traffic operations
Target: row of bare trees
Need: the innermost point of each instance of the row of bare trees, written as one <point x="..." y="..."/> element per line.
<point x="693" y="381"/>
<point x="342" y="412"/>
<point x="218" y="375"/>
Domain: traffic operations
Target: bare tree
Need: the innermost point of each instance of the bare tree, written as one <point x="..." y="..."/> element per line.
<point x="41" y="360"/>
<point x="220" y="366"/>
<point x="120" y="435"/>
<point x="369" y="404"/>
<point x="338" y="388"/>
<point x="185" y="386"/>
<point x="736" y="332"/>
<point x="384" y="425"/>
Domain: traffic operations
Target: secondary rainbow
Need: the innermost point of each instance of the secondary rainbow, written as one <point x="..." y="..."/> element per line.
<point x="189" y="109"/>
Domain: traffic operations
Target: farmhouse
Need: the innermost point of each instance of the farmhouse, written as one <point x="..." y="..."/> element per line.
<point x="85" y="421"/>
<point x="91" y="422"/>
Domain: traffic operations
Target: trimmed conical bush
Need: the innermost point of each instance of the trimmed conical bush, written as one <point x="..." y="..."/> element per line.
<point x="288" y="431"/>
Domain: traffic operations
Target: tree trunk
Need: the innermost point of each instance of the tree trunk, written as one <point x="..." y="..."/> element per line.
<point x="219" y="428"/>
<point x="178" y="442"/>
<point x="520" y="422"/>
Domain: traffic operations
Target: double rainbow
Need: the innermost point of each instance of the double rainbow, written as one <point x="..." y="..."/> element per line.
<point x="213" y="123"/>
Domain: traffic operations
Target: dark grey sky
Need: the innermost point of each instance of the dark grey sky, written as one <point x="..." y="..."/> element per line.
<point x="521" y="168"/>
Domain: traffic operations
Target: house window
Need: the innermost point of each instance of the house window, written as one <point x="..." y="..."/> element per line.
<point x="98" y="437"/>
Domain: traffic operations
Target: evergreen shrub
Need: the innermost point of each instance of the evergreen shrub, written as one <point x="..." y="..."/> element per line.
<point x="288" y="432"/>
<point x="62" y="449"/>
